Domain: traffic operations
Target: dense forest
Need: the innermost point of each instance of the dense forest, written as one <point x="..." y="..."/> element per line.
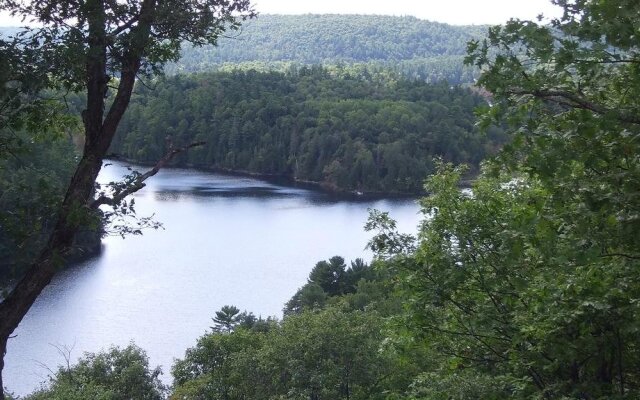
<point x="526" y="286"/>
<point x="348" y="129"/>
<point x="417" y="48"/>
<point x="317" y="39"/>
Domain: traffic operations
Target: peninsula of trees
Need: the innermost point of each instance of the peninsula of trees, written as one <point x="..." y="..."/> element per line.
<point x="345" y="128"/>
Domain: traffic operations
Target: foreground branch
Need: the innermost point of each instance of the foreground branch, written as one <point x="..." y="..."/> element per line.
<point x="576" y="101"/>
<point x="139" y="181"/>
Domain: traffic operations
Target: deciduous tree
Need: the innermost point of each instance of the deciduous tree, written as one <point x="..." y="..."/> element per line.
<point x="531" y="282"/>
<point x="102" y="47"/>
<point x="116" y="374"/>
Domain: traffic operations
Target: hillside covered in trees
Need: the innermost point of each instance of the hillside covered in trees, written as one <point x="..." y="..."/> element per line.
<point x="416" y="48"/>
<point x="348" y="132"/>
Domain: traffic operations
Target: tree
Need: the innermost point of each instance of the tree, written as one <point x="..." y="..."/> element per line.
<point x="102" y="47"/>
<point x="326" y="354"/>
<point x="117" y="374"/>
<point x="501" y="288"/>
<point x="329" y="280"/>
<point x="36" y="158"/>
<point x="226" y="319"/>
<point x="531" y="282"/>
<point x="570" y="89"/>
<point x="353" y="275"/>
<point x="331" y="354"/>
<point x="209" y="371"/>
<point x="351" y="134"/>
<point x="329" y="275"/>
<point x="308" y="297"/>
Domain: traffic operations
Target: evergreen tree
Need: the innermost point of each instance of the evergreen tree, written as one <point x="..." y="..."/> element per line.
<point x="226" y="319"/>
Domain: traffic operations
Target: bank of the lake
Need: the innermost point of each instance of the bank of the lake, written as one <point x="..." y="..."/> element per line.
<point x="331" y="190"/>
<point x="226" y="240"/>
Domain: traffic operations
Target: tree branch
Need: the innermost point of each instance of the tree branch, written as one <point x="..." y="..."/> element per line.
<point x="124" y="26"/>
<point x="623" y="255"/>
<point x="139" y="182"/>
<point x="574" y="100"/>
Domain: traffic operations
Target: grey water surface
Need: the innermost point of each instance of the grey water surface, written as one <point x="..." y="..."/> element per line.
<point x="226" y="240"/>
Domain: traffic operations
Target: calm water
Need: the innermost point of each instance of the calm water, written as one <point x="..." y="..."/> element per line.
<point x="227" y="240"/>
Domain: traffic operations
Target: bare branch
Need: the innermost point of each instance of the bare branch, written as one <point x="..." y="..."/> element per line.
<point x="139" y="182"/>
<point x="140" y="80"/>
<point x="124" y="27"/>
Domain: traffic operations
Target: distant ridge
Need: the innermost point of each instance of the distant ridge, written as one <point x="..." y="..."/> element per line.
<point x="418" y="48"/>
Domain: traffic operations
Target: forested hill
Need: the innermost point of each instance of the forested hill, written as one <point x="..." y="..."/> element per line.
<point x="418" y="48"/>
<point x="349" y="133"/>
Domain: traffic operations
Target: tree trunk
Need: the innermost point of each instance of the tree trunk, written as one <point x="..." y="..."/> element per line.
<point x="99" y="132"/>
<point x="16" y="305"/>
<point x="100" y="128"/>
<point x="3" y="349"/>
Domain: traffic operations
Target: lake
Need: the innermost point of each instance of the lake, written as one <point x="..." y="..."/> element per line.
<point x="226" y="240"/>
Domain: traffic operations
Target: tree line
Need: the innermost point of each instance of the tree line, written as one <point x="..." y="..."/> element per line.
<point x="346" y="128"/>
<point x="415" y="48"/>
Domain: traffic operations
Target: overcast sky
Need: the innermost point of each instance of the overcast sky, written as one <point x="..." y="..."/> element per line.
<point x="457" y="12"/>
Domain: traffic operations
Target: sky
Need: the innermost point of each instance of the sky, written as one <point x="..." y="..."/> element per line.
<point x="455" y="12"/>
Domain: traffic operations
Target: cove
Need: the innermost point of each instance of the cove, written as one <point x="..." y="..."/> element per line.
<point x="226" y="240"/>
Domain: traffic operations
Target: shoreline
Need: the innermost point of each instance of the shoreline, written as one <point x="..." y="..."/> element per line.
<point x="284" y="179"/>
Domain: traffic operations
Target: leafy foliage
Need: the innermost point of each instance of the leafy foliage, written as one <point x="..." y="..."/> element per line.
<point x="118" y="374"/>
<point x="30" y="191"/>
<point x="23" y="105"/>
<point x="36" y="158"/>
<point x="497" y="287"/>
<point x="530" y="281"/>
<point x="329" y="354"/>
<point x="32" y="178"/>
<point x="62" y="42"/>
<point x="330" y="349"/>
<point x="87" y="46"/>
<point x="526" y="286"/>
<point x="329" y="280"/>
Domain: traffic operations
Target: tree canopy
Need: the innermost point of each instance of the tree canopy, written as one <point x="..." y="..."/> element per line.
<point x="530" y="281"/>
<point x="116" y="374"/>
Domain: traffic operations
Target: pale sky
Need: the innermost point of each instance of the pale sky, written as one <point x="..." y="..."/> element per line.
<point x="456" y="12"/>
